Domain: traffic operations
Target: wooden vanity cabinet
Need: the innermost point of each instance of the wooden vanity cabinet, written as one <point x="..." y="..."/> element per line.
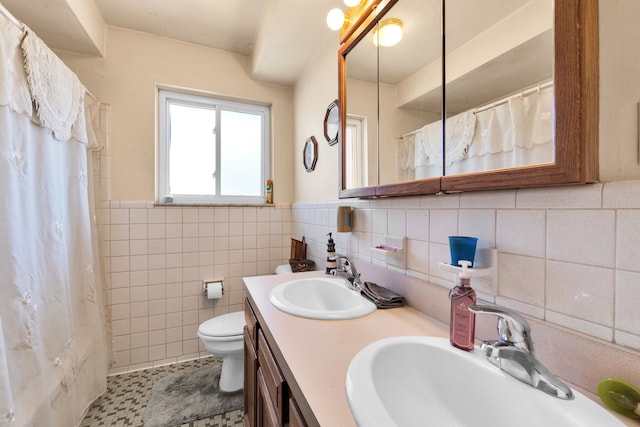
<point x="250" y="366"/>
<point x="267" y="398"/>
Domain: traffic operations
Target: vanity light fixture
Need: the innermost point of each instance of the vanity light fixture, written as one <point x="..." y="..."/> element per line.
<point x="388" y="33"/>
<point x="335" y="17"/>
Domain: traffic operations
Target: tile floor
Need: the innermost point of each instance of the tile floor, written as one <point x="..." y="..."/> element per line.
<point x="125" y="400"/>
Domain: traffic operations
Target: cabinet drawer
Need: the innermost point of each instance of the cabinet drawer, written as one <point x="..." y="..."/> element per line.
<point x="251" y="321"/>
<point x="273" y="377"/>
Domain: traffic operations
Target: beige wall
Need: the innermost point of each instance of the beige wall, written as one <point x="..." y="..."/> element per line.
<point x="314" y="91"/>
<point x="619" y="89"/>
<point x="126" y="78"/>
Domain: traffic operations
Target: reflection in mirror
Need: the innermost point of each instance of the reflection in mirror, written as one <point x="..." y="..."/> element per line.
<point x="499" y="84"/>
<point x="361" y="127"/>
<point x="386" y="97"/>
<point x="410" y="92"/>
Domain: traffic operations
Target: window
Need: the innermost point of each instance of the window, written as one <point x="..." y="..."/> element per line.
<point x="212" y="151"/>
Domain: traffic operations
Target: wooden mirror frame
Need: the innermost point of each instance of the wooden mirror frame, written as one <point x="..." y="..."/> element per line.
<point x="576" y="73"/>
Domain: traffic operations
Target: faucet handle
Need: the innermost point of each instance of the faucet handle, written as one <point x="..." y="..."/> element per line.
<point x="512" y="327"/>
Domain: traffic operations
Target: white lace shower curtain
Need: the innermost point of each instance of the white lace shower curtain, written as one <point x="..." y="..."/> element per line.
<point x="52" y="340"/>
<point x="514" y="133"/>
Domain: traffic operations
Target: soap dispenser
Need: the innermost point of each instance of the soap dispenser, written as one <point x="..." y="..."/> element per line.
<point x="463" y="321"/>
<point x="331" y="253"/>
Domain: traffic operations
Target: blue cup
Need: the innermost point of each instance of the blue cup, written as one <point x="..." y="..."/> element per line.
<point x="462" y="248"/>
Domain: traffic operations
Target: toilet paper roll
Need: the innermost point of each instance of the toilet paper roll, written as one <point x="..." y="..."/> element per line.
<point x="214" y="290"/>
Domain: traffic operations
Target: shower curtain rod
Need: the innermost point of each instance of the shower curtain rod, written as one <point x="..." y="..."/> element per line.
<point x="523" y="93"/>
<point x="10" y="17"/>
<point x="492" y="105"/>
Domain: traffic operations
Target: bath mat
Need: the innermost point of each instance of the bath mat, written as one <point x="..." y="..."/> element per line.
<point x="189" y="395"/>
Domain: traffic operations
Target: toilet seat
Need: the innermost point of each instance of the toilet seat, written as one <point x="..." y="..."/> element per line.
<point x="227" y="327"/>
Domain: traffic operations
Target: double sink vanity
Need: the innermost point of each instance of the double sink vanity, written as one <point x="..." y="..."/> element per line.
<point x="385" y="368"/>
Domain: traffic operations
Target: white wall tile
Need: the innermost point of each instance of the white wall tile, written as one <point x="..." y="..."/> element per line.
<point x="621" y="195"/>
<point x="156" y="215"/>
<point x="397" y="222"/>
<point x="443" y="223"/>
<point x="173" y="215"/>
<point x="581" y="291"/>
<point x="119" y="248"/>
<point x="119" y="295"/>
<point x="522" y="232"/>
<point x="417" y="256"/>
<point x="119" y="232"/>
<point x="138" y="231"/>
<point x="379" y="221"/>
<point x="581" y="236"/>
<point x="627" y="298"/>
<point x="480" y="223"/>
<point x="138" y="216"/>
<point x="627" y="240"/>
<point x="156" y="231"/>
<point x="139" y="293"/>
<point x="138" y="247"/>
<point x="221" y="214"/>
<point x="578" y="196"/>
<point x="418" y="225"/>
<point x="119" y="216"/>
<point x="522" y="279"/>
<point x="586" y="327"/>
<point x="502" y="199"/>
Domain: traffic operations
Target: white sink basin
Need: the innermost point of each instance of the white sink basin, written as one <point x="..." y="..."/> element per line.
<point x="424" y="381"/>
<point x="320" y="298"/>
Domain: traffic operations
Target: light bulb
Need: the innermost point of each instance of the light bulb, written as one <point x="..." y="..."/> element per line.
<point x="389" y="33"/>
<point x="335" y="19"/>
<point x="351" y="3"/>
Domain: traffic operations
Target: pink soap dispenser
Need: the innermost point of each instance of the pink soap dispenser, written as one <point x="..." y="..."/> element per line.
<point x="463" y="322"/>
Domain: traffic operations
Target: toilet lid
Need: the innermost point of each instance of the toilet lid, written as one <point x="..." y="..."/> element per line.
<point x="223" y="326"/>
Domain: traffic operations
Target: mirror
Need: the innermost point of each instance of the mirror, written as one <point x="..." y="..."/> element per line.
<point x="505" y="63"/>
<point x="332" y="123"/>
<point x="310" y="154"/>
<point x="499" y="83"/>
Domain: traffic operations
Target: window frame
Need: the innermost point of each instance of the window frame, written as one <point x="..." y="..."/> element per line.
<point x="167" y="96"/>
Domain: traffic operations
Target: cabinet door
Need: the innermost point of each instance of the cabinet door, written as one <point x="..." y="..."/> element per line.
<point x="274" y="380"/>
<point x="265" y="411"/>
<point x="250" y="377"/>
<point x="295" y="417"/>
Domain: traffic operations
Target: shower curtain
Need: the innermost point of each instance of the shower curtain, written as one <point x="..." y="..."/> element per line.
<point x="52" y="339"/>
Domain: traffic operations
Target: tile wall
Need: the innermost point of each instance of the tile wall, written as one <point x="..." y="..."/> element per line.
<point x="567" y="255"/>
<point x="155" y="259"/>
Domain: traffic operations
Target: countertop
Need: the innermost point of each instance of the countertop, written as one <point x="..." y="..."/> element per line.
<point x="318" y="352"/>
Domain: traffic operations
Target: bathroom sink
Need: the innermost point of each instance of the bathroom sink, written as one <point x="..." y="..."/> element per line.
<point x="320" y="298"/>
<point x="424" y="381"/>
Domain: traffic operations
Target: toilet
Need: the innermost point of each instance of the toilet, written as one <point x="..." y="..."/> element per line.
<point x="222" y="337"/>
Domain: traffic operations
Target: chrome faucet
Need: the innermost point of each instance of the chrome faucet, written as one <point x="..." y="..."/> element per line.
<point x="346" y="269"/>
<point x="513" y="352"/>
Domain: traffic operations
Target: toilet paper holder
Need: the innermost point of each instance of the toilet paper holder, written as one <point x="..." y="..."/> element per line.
<point x="206" y="283"/>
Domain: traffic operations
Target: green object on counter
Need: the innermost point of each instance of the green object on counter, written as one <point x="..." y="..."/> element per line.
<point x="620" y="396"/>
